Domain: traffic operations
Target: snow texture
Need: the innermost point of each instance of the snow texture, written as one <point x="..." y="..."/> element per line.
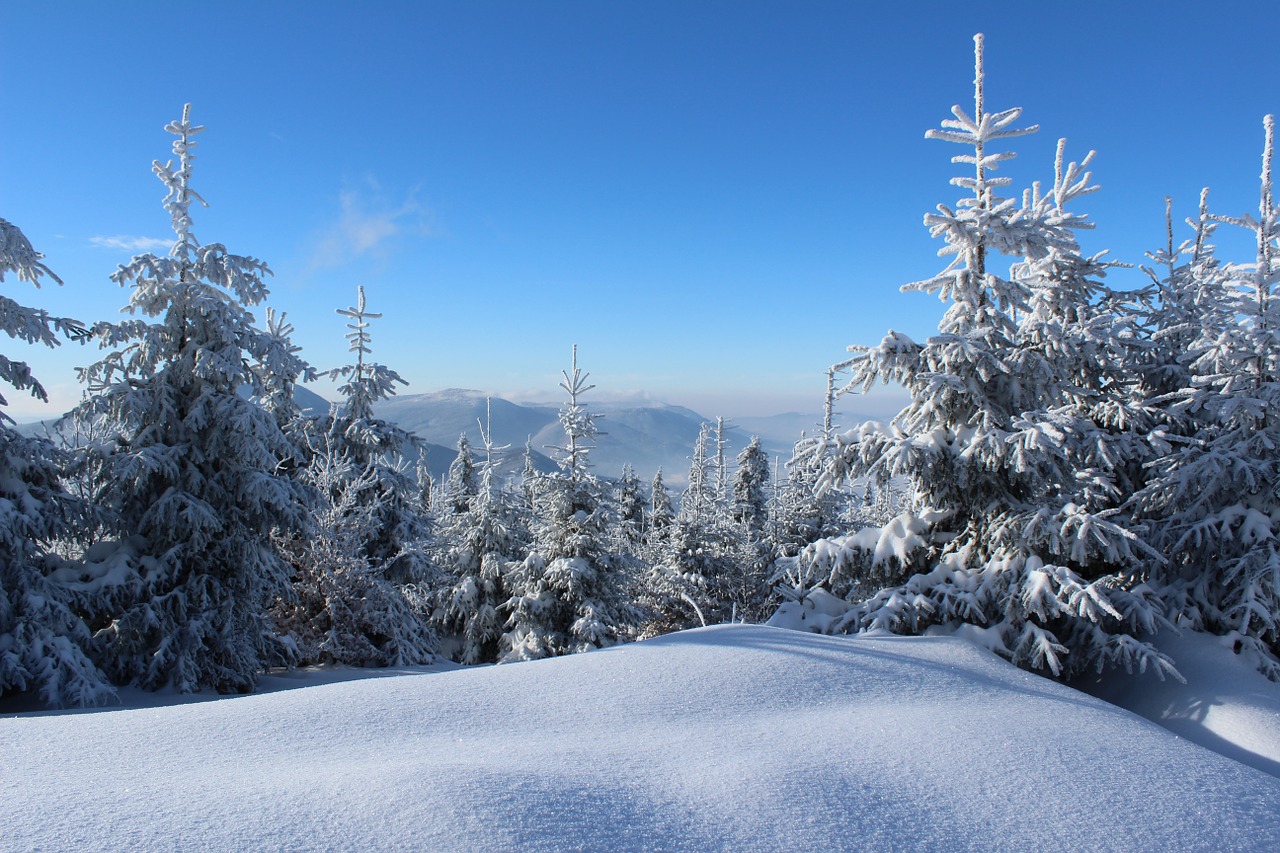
<point x="731" y="737"/>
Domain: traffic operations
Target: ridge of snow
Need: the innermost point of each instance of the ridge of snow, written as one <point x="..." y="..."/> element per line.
<point x="742" y="737"/>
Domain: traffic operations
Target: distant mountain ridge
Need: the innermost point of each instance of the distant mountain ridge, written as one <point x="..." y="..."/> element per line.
<point x="648" y="436"/>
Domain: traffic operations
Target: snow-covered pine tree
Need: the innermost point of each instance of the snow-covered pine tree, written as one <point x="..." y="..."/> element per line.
<point x="752" y="548"/>
<point x="690" y="579"/>
<point x="661" y="511"/>
<point x="461" y="485"/>
<point x="42" y="640"/>
<point x="343" y="610"/>
<point x="701" y="499"/>
<point x="193" y="480"/>
<point x="1214" y="501"/>
<point x="529" y="480"/>
<point x="1175" y="310"/>
<point x="632" y="511"/>
<point x="482" y="541"/>
<point x="722" y="464"/>
<point x="392" y="544"/>
<point x="750" y="485"/>
<point x="571" y="593"/>
<point x="1015" y="443"/>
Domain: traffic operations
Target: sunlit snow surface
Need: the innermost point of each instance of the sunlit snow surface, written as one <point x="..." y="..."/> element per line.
<point x="733" y="737"/>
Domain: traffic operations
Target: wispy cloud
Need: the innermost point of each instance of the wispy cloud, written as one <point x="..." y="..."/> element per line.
<point x="368" y="225"/>
<point x="132" y="244"/>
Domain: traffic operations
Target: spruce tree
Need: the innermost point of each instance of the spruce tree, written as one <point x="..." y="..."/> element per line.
<point x="1017" y="442"/>
<point x="42" y="640"/>
<point x="392" y="543"/>
<point x="193" y="480"/>
<point x="343" y="609"/>
<point x="661" y="512"/>
<point x="749" y="486"/>
<point x="571" y="593"/>
<point x="482" y="541"/>
<point x="1213" y="502"/>
<point x="461" y="484"/>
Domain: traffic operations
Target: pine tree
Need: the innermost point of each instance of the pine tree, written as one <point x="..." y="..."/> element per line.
<point x="661" y="512"/>
<point x="692" y="576"/>
<point x="749" y="485"/>
<point x="461" y="484"/>
<point x="195" y="473"/>
<point x="571" y="593"/>
<point x="1213" y="502"/>
<point x="485" y="538"/>
<point x="392" y="543"/>
<point x="1017" y="442"/>
<point x="343" y="610"/>
<point x="42" y="640"/>
<point x="632" y="511"/>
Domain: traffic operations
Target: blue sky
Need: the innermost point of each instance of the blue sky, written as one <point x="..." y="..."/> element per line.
<point x="711" y="199"/>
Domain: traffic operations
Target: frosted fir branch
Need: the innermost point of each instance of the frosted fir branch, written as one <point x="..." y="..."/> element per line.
<point x="17" y="256"/>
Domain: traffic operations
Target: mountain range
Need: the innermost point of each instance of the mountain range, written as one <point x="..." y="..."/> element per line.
<point x="645" y="435"/>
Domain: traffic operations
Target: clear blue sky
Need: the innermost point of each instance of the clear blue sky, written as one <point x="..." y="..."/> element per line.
<point x="712" y="199"/>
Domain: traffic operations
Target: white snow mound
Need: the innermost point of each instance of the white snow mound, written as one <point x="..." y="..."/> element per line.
<point x="733" y="737"/>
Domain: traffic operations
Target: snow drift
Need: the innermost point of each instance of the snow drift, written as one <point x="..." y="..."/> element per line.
<point x="733" y="737"/>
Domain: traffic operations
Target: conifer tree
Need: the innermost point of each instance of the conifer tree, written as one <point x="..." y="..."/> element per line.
<point x="661" y="512"/>
<point x="42" y="640"/>
<point x="632" y="510"/>
<point x="343" y="609"/>
<point x="749" y="487"/>
<point x="571" y="593"/>
<point x="1214" y="499"/>
<point x="392" y="543"/>
<point x="691" y="578"/>
<point x="195" y="473"/>
<point x="461" y="485"/>
<point x="1016" y="442"/>
<point x="487" y="536"/>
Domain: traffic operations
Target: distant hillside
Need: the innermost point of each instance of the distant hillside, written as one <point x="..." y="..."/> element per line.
<point x="645" y="436"/>
<point x="648" y="436"/>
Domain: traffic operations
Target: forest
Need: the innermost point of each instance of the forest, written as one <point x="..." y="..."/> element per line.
<point x="1079" y="468"/>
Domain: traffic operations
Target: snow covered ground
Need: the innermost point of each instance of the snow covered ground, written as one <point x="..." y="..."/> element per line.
<point x="732" y="737"/>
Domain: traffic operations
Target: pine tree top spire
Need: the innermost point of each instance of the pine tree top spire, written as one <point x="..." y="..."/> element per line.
<point x="979" y="73"/>
<point x="359" y="335"/>
<point x="178" y="201"/>
<point x="579" y="424"/>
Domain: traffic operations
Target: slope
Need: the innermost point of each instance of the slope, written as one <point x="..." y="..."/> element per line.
<point x="733" y="737"/>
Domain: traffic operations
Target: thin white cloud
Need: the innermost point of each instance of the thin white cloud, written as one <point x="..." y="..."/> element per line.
<point x="132" y="244"/>
<point x="367" y="226"/>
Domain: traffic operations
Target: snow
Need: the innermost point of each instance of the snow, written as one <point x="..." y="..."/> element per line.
<point x="742" y="737"/>
<point x="1226" y="705"/>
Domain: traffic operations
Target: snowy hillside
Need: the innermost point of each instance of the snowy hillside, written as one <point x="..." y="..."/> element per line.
<point x="735" y="737"/>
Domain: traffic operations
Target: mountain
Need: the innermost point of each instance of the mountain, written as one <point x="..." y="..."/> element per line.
<point x="646" y="436"/>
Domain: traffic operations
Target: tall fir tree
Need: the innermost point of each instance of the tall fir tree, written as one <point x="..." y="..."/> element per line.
<point x="483" y="541"/>
<point x="393" y="543"/>
<point x="461" y="485"/>
<point x="1016" y="443"/>
<point x="195" y="473"/>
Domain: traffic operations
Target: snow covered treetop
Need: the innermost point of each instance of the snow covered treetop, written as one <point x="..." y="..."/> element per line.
<point x="979" y="129"/>
<point x="178" y="201"/>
